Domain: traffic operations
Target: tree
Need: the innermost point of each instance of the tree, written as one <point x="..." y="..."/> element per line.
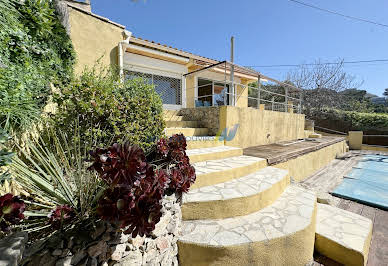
<point x="321" y="84"/>
<point x="385" y="93"/>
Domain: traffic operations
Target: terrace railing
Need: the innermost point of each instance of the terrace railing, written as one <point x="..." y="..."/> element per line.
<point x="246" y="95"/>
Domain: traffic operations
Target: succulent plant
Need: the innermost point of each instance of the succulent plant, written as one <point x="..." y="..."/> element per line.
<point x="11" y="211"/>
<point x="60" y="216"/>
<point x="138" y="183"/>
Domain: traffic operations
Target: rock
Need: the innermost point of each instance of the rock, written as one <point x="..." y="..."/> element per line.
<point x="118" y="252"/>
<point x="106" y="237"/>
<point x="98" y="230"/>
<point x="167" y="259"/>
<point x="78" y="257"/>
<point x="57" y="252"/>
<point x="161" y="227"/>
<point x="47" y="259"/>
<point x="162" y="243"/>
<point x="70" y="243"/>
<point x="97" y="249"/>
<point x="124" y="238"/>
<point x="137" y="241"/>
<point x="150" y="255"/>
<point x="150" y="245"/>
<point x="66" y="252"/>
<point x="12" y="248"/>
<point x="175" y="261"/>
<point x="64" y="262"/>
<point x="135" y="258"/>
<point x="92" y="262"/>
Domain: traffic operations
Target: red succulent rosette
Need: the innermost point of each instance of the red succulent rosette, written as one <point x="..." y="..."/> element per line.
<point x="11" y="211"/>
<point x="60" y="216"/>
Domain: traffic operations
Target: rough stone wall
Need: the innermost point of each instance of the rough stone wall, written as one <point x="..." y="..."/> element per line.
<point x="103" y="245"/>
<point x="208" y="117"/>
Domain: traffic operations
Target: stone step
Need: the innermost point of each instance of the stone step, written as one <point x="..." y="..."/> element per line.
<point x="203" y="142"/>
<point x="218" y="171"/>
<point x="343" y="236"/>
<point x="174" y="118"/>
<point x="280" y="234"/>
<point x="236" y="197"/>
<point x="180" y="123"/>
<point x="213" y="153"/>
<point x="187" y="131"/>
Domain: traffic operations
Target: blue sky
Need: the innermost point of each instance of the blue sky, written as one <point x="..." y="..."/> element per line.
<point x="267" y="32"/>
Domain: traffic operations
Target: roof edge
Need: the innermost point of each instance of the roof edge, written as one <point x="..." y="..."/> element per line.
<point x="94" y="15"/>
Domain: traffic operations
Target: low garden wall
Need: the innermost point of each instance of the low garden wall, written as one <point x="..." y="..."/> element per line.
<point x="101" y="244"/>
<point x="261" y="127"/>
<point x="303" y="166"/>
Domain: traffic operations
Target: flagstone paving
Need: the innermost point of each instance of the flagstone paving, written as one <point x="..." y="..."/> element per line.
<point x="237" y="188"/>
<point x="211" y="150"/>
<point x="350" y="230"/>
<point x="212" y="166"/>
<point x="290" y="213"/>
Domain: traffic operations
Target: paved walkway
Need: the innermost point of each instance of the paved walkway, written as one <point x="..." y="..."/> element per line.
<point x="328" y="178"/>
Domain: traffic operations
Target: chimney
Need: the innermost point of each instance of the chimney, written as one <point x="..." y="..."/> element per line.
<point x="84" y="4"/>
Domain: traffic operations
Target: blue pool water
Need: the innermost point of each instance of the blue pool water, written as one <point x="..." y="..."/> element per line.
<point x="367" y="182"/>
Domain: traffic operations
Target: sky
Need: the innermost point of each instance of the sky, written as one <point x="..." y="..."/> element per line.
<point x="267" y="32"/>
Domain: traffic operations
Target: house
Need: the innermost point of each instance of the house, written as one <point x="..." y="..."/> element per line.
<point x="249" y="213"/>
<point x="182" y="79"/>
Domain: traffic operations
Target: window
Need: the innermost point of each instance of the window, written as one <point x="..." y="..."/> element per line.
<point x="168" y="88"/>
<point x="211" y="93"/>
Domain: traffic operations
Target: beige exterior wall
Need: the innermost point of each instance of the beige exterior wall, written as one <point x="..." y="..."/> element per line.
<point x="302" y="167"/>
<point x="93" y="38"/>
<point x="260" y="127"/>
<point x="190" y="91"/>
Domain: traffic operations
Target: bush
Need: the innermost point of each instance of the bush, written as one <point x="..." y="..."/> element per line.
<point x="34" y="51"/>
<point x="125" y="189"/>
<point x="353" y="120"/>
<point x="103" y="107"/>
<point x="5" y="156"/>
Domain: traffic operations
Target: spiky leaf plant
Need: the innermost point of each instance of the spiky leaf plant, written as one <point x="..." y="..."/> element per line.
<point x="54" y="172"/>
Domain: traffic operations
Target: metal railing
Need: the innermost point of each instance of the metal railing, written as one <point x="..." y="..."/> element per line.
<point x="256" y="97"/>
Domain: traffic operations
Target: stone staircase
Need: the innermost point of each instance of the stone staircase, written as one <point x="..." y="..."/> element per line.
<point x="176" y="124"/>
<point x="242" y="212"/>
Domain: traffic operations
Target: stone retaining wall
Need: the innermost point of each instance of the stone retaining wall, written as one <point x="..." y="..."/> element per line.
<point x="208" y="117"/>
<point x="101" y="244"/>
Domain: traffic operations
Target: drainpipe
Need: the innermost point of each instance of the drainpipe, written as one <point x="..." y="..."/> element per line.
<point x="122" y="47"/>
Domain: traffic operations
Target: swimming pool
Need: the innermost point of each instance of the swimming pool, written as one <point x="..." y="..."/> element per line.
<point x="367" y="182"/>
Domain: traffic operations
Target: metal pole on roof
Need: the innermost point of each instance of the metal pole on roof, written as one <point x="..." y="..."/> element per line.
<point x="286" y="100"/>
<point x="232" y="68"/>
<point x="258" y="91"/>
<point x="225" y="88"/>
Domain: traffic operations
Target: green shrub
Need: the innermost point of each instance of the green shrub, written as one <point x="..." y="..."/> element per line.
<point x="114" y="111"/>
<point x="355" y="120"/>
<point x="34" y="51"/>
<point x="5" y="156"/>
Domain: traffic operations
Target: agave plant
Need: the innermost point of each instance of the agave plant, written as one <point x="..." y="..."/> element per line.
<point x="54" y="172"/>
